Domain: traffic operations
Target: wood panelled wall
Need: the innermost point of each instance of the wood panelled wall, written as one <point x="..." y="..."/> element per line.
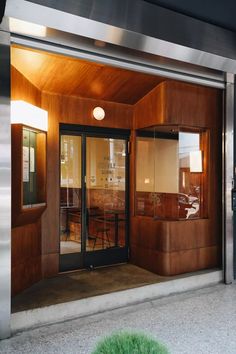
<point x="22" y="89"/>
<point x="174" y="247"/>
<point x="163" y="247"/>
<point x="45" y="242"/>
<point x="26" y="256"/>
<point x="26" y="240"/>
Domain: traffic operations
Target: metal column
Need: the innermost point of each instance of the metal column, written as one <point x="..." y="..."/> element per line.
<point x="228" y="180"/>
<point x="5" y="187"/>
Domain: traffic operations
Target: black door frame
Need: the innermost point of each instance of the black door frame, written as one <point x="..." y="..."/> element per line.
<point x="91" y="259"/>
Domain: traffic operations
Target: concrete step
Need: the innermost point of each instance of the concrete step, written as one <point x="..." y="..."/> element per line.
<point x="29" y="319"/>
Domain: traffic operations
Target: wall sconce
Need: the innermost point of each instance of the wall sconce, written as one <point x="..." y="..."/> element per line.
<point x="27" y="114"/>
<point x="99" y="113"/>
<point x="195" y="161"/>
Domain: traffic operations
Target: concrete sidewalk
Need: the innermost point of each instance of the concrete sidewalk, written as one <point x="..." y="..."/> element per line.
<point x="202" y="321"/>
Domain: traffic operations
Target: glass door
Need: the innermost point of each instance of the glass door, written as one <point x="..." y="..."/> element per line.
<point x="94" y="200"/>
<point x="70" y="200"/>
<point x="106" y="202"/>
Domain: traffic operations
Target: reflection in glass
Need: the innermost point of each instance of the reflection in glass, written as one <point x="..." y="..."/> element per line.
<point x="70" y="194"/>
<point x="29" y="167"/>
<point x="105" y="193"/>
<point x="145" y="167"/>
<point x="189" y="182"/>
<point x="169" y="175"/>
<point x="33" y="167"/>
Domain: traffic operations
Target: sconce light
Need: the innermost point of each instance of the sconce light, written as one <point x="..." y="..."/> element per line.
<point x="99" y="113"/>
<point x="27" y="114"/>
<point x="195" y="161"/>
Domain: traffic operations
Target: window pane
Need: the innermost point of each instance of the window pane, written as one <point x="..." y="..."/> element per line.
<point x="70" y="194"/>
<point x="166" y="174"/>
<point x="169" y="173"/>
<point x="190" y="175"/>
<point x="145" y="176"/>
<point x="34" y="168"/>
<point x="105" y="193"/>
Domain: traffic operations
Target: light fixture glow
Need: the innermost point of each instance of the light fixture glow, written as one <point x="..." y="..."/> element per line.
<point x="99" y="43"/>
<point x="27" y="28"/>
<point x="99" y="113"/>
<point x="27" y="114"/>
<point x="195" y="161"/>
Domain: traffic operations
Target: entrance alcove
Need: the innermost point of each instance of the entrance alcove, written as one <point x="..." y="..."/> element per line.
<point x="69" y="89"/>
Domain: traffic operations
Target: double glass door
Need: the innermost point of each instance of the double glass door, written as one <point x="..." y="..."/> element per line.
<point x="93" y="199"/>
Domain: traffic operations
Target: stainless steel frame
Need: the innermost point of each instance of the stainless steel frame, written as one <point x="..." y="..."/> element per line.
<point x="5" y="186"/>
<point x="142" y="26"/>
<point x="228" y="180"/>
<point x="133" y="45"/>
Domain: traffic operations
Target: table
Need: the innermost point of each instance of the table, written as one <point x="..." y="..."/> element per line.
<point x="116" y="213"/>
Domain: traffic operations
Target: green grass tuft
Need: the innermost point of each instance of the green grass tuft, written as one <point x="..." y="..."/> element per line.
<point x="129" y="343"/>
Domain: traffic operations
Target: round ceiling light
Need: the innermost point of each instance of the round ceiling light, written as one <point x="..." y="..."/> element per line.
<point x="99" y="113"/>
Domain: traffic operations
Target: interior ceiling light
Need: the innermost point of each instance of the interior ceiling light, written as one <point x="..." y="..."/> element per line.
<point x="195" y="161"/>
<point x="99" y="113"/>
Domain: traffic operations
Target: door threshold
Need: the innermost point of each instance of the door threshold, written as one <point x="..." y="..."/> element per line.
<point x="91" y="269"/>
<point x="28" y="319"/>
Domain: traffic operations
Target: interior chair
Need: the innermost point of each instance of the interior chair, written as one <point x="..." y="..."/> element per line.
<point x="101" y="232"/>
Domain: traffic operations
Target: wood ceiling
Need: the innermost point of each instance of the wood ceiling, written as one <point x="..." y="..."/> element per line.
<point x="68" y="76"/>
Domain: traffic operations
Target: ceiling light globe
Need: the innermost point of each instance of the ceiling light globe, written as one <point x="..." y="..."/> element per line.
<point x="99" y="113"/>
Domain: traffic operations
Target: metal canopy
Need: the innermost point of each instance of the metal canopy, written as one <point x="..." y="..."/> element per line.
<point x="132" y="24"/>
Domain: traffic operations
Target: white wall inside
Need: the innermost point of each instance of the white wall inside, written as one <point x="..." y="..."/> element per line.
<point x="157" y="165"/>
